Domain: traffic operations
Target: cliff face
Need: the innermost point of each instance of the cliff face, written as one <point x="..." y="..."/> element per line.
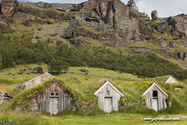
<point x="116" y="24"/>
<point x="112" y="17"/>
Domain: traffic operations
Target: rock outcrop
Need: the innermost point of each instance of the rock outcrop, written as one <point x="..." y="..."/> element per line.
<point x="113" y="19"/>
<point x="154" y="15"/>
<point x="178" y="43"/>
<point x="182" y="55"/>
<point x="131" y="4"/>
<point x="8" y="7"/>
<point x="179" y="26"/>
<point x="61" y="7"/>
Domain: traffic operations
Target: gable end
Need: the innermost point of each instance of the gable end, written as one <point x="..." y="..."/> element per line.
<point x="50" y="84"/>
<point x="112" y="86"/>
<point x="154" y="84"/>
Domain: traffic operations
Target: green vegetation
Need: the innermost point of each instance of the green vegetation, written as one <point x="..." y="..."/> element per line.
<point x="13" y="118"/>
<point x="58" y="66"/>
<point x="28" y="52"/>
<point x="132" y="109"/>
<point x="69" y="118"/>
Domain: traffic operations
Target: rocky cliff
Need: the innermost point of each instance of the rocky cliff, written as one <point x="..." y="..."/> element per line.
<point x="121" y="24"/>
<point x="118" y="24"/>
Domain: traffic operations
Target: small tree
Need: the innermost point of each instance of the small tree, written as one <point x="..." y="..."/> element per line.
<point x="58" y="65"/>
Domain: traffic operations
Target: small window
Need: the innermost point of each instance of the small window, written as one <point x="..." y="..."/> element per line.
<point x="108" y="93"/>
<point x="56" y="94"/>
<point x="155" y="94"/>
<point x="52" y="93"/>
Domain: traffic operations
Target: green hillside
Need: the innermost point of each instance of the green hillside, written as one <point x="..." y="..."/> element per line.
<point x="86" y="85"/>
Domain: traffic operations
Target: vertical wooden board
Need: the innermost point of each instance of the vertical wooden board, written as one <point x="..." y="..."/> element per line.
<point x="64" y="102"/>
<point x="51" y="103"/>
<point x="155" y="104"/>
<point x="160" y="104"/>
<point x="56" y="103"/>
<point x="108" y="105"/>
<point x="69" y="103"/>
<point x="60" y="103"/>
<point x="44" y="99"/>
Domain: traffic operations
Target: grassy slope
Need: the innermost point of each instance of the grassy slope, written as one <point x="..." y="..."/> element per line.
<point x="85" y="83"/>
<point x="112" y="119"/>
<point x="72" y="119"/>
<point x="82" y="82"/>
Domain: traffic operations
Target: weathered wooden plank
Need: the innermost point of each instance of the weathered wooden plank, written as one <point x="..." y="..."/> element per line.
<point x="56" y="103"/>
<point x="152" y="102"/>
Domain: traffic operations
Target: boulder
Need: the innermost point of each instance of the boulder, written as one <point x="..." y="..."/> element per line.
<point x="84" y="70"/>
<point x="170" y="21"/>
<point x="154" y="15"/>
<point x="38" y="69"/>
<point x="162" y="42"/>
<point x="181" y="55"/>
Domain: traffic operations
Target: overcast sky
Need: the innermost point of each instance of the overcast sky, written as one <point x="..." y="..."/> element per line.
<point x="165" y="8"/>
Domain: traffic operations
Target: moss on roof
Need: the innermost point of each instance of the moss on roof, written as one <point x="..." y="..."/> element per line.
<point x="27" y="95"/>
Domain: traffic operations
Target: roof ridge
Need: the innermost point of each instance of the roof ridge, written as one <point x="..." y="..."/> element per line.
<point x="46" y="73"/>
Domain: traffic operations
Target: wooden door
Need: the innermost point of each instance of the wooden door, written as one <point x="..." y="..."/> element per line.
<point x="53" y="106"/>
<point x="155" y="104"/>
<point x="108" y="104"/>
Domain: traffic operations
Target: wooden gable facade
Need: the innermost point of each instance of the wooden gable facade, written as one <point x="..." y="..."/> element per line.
<point x="109" y="97"/>
<point x="37" y="80"/>
<point x="53" y="98"/>
<point x="155" y="98"/>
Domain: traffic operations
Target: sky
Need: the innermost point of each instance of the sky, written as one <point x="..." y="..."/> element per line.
<point x="165" y="8"/>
